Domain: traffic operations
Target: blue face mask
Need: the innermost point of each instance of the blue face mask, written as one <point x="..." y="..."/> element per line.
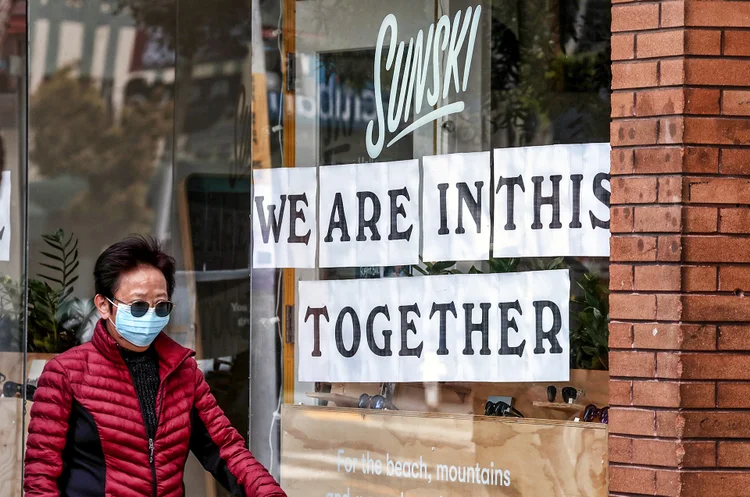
<point x="141" y="331"/>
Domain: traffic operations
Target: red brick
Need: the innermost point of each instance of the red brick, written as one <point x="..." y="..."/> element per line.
<point x="719" y="190"/>
<point x="657" y="278"/>
<point x="715" y="366"/>
<point x="619" y="449"/>
<point x="734" y="338"/>
<point x="718" y="14"/>
<point x="665" y="101"/>
<point x="735" y="103"/>
<point x="659" y="44"/>
<point x="668" y="365"/>
<point x="737" y="43"/>
<point x="621" y="160"/>
<point x="723" y="483"/>
<point x="633" y="190"/>
<point x="669" y="424"/>
<point x="695" y="395"/>
<point x="626" y="421"/>
<point x="719" y="131"/>
<point x="672" y="72"/>
<point x="632" y="248"/>
<point x="649" y="452"/>
<point x="620" y="392"/>
<point x="668" y="307"/>
<point x="661" y="219"/>
<point x="632" y="364"/>
<point x="735" y="220"/>
<point x="734" y="454"/>
<point x="701" y="160"/>
<point x="716" y="424"/>
<point x="699" y="278"/>
<point x="634" y="75"/>
<point x="703" y="42"/>
<point x="715" y="249"/>
<point x="674" y="336"/>
<point x="656" y="393"/>
<point x="668" y="483"/>
<point x="632" y="480"/>
<point x="702" y="101"/>
<point x="658" y="160"/>
<point x="632" y="306"/>
<point x="670" y="189"/>
<point x="699" y="454"/>
<point x="672" y="14"/>
<point x="623" y="104"/>
<point x="717" y="72"/>
<point x="620" y="277"/>
<point x="733" y="278"/>
<point x="671" y="130"/>
<point x="701" y="219"/>
<point x="734" y="395"/>
<point x="634" y="17"/>
<point x="669" y="248"/>
<point x="623" y="46"/>
<point x="620" y="335"/>
<point x="729" y="308"/>
<point x="621" y="220"/>
<point x="735" y="161"/>
<point x="627" y="132"/>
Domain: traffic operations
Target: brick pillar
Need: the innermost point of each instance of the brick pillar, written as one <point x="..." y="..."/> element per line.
<point x="680" y="250"/>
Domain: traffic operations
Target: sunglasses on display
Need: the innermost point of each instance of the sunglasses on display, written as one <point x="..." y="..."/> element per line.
<point x="593" y="413"/>
<point x="139" y="308"/>
<point x="13" y="389"/>
<point x="569" y="394"/>
<point x="375" y="402"/>
<point x="501" y="408"/>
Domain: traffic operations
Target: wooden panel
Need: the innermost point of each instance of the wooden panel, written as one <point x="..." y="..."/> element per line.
<point x="453" y="399"/>
<point x="530" y="457"/>
<point x="11" y="448"/>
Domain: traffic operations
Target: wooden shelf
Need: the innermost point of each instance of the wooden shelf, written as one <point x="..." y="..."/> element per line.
<point x="559" y="406"/>
<point x="336" y="398"/>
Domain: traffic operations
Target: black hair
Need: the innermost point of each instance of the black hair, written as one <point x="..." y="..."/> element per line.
<point x="127" y="255"/>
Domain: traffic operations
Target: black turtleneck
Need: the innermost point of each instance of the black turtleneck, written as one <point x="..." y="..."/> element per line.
<point x="144" y="368"/>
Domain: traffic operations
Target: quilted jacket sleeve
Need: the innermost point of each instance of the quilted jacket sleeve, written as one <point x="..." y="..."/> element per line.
<point x="48" y="430"/>
<point x="221" y="449"/>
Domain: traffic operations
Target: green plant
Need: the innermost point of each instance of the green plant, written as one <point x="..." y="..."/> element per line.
<point x="55" y="315"/>
<point x="437" y="268"/>
<point x="589" y="340"/>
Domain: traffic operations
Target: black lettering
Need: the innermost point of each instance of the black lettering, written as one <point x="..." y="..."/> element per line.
<point x="357" y="332"/>
<point x="602" y="194"/>
<point x="471" y="327"/>
<point x="406" y="327"/>
<point x="507" y="323"/>
<point x="371" y="223"/>
<point x="271" y="222"/>
<point x="398" y="210"/>
<point x="443" y="187"/>
<point x="295" y="214"/>
<point x="474" y="205"/>
<point x="443" y="309"/>
<point x="550" y="335"/>
<point x="576" y="222"/>
<point x="553" y="201"/>
<point x="340" y="224"/>
<point x="384" y="351"/>
<point x="511" y="198"/>
<point x="316" y="312"/>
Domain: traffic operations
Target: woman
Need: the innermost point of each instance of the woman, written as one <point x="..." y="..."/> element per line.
<point x="118" y="415"/>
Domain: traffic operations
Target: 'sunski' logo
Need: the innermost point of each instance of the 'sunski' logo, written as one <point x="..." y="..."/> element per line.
<point x="442" y="38"/>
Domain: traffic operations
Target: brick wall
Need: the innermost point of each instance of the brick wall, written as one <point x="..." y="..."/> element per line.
<point x="680" y="250"/>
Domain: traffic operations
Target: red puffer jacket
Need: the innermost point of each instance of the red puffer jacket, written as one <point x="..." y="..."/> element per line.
<point x="87" y="436"/>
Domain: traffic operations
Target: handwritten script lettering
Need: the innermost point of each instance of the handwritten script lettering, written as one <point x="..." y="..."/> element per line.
<point x="443" y="38"/>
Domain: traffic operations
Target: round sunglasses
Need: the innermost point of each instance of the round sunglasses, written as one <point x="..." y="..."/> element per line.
<point x="139" y="308"/>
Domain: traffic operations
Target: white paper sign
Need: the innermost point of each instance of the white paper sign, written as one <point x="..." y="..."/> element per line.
<point x="369" y="214"/>
<point x="552" y="201"/>
<point x="284" y="217"/>
<point x="509" y="327"/>
<point x="5" y="217"/>
<point x="456" y="206"/>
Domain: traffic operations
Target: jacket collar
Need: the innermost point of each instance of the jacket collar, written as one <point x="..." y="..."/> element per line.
<point x="171" y="354"/>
